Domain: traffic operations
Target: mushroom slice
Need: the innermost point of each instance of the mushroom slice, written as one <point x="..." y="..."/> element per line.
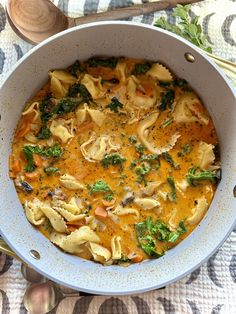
<point x="143" y="102"/>
<point x="198" y="211"/>
<point x="70" y="182"/>
<point x="94" y="86"/>
<point x="98" y="147"/>
<point x="146" y="203"/>
<point x="189" y="109"/>
<point x="116" y="247"/>
<point x="206" y="155"/>
<point x="142" y="131"/>
<point x="121" y="211"/>
<point x="99" y="253"/>
<point x="33" y="212"/>
<point x="160" y="72"/>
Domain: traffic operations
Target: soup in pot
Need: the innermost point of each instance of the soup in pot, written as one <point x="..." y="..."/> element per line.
<point x="115" y="160"/>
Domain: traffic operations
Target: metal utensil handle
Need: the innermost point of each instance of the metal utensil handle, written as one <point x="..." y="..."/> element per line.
<point x="4" y="248"/>
<point x="134" y="10"/>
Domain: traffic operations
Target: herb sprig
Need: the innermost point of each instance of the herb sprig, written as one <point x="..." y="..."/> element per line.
<point x="188" y="27"/>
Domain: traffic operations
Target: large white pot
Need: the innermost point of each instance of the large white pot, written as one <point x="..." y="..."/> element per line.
<point x="139" y="41"/>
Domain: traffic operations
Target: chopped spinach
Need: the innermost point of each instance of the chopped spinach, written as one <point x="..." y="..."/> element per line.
<point x="185" y="150"/>
<point x="170" y="160"/>
<point x="51" y="170"/>
<point x="108" y="197"/>
<point x="80" y="89"/>
<point x="195" y="175"/>
<point x="104" y="62"/>
<point x="142" y="172"/>
<point x="115" y="105"/>
<point x="167" y="99"/>
<point x="148" y="232"/>
<point x="133" y="139"/>
<point x="112" y="159"/>
<point x="75" y="67"/>
<point x="141" y="68"/>
<point x="172" y="195"/>
<point x="46" y="112"/>
<point x="99" y="186"/>
<point x="140" y="148"/>
<point x="30" y="150"/>
<point x="167" y="122"/>
<point x="65" y="105"/>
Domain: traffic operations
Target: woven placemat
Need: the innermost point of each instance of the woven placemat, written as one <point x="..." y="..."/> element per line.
<point x="209" y="289"/>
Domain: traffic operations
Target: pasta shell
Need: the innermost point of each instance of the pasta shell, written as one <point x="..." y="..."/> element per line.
<point x="97" y="116"/>
<point x="78" y="237"/>
<point x="206" y="155"/>
<point x="63" y="76"/>
<point x="55" y="219"/>
<point x="187" y="109"/>
<point x="121" y="211"/>
<point x="67" y="215"/>
<point x="116" y="247"/>
<point x="151" y="187"/>
<point x="198" y="211"/>
<point x="142" y="133"/>
<point x="97" y="147"/>
<point x="146" y="203"/>
<point x="99" y="253"/>
<point x="121" y="71"/>
<point x="33" y="212"/>
<point x="160" y="72"/>
<point x="70" y="182"/>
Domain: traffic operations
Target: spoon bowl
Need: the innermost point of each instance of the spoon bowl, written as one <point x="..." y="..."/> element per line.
<point x="43" y="297"/>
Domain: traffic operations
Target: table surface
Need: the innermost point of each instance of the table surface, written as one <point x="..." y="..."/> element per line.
<point x="210" y="288"/>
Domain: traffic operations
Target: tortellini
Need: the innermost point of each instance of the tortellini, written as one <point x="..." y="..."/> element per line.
<point x="139" y="101"/>
<point x="99" y="253"/>
<point x="158" y="71"/>
<point x="60" y="129"/>
<point x="189" y="109"/>
<point x="97" y="116"/>
<point x="97" y="147"/>
<point x="70" y="182"/>
<point x="142" y="131"/>
<point x="60" y="82"/>
<point x="94" y="86"/>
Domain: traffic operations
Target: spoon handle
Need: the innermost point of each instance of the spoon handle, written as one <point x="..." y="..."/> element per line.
<point x="134" y="10"/>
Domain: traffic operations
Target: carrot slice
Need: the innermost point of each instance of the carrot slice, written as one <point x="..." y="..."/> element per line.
<point x="100" y="211"/>
<point x="148" y="91"/>
<point x="72" y="228"/>
<point x="108" y="203"/>
<point x="77" y="223"/>
<point x="137" y="258"/>
<point x="38" y="160"/>
<point x="85" y="127"/>
<point x="32" y="175"/>
<point x="15" y="166"/>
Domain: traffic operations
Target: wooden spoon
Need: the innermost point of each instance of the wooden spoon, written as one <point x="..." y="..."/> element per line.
<point x="36" y="20"/>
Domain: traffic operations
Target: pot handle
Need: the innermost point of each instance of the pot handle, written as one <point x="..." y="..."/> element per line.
<point x="4" y="248"/>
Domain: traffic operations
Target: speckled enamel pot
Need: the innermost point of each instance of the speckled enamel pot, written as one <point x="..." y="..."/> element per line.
<point x="139" y="41"/>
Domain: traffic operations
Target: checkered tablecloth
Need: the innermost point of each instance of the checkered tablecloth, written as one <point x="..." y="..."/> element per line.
<point x="209" y="289"/>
